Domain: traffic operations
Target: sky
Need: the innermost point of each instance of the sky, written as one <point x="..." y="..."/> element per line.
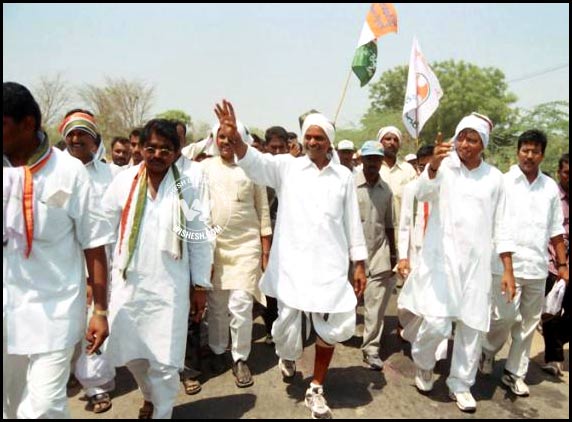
<point x="276" y="61"/>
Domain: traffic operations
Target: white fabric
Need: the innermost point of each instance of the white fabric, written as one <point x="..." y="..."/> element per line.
<point x="115" y="169"/>
<point x="158" y="383"/>
<point x="410" y="157"/>
<point x="44" y="295"/>
<point x="211" y="148"/>
<point x="34" y="386"/>
<point x="318" y="230"/>
<point x="536" y="215"/>
<point x="230" y="309"/>
<point x="397" y="177"/>
<point x="346" y="145"/>
<point x="466" y="350"/>
<point x="148" y="310"/>
<point x="410" y="235"/>
<point x="191" y="151"/>
<point x="553" y="300"/>
<point x="13" y="230"/>
<point x="287" y="329"/>
<point x="388" y="129"/>
<point x="476" y="123"/>
<point x="517" y="319"/>
<point x="467" y="224"/>
<point x="318" y="119"/>
<point x="422" y="94"/>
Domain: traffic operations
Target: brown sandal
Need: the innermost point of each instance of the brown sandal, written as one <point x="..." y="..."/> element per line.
<point x="146" y="412"/>
<point x="99" y="403"/>
<point x="192" y="386"/>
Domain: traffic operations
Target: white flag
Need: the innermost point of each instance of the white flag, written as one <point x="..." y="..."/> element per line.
<point x="423" y="92"/>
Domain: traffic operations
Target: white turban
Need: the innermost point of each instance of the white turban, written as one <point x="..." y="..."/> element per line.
<point x="482" y="124"/>
<point x="388" y="129"/>
<point x="193" y="150"/>
<point x="212" y="148"/>
<point x="318" y="119"/>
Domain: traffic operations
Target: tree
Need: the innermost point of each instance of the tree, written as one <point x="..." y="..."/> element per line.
<point x="119" y="106"/>
<point x="177" y="115"/>
<point x="52" y="95"/>
<point x="466" y="88"/>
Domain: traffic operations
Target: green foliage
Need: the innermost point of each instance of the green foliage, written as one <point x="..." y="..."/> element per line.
<point x="178" y="115"/>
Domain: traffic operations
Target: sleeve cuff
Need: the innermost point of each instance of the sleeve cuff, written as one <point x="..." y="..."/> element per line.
<point x="358" y="253"/>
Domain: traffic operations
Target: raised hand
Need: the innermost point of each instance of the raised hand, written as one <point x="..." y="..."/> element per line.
<point x="227" y="119"/>
<point x="442" y="150"/>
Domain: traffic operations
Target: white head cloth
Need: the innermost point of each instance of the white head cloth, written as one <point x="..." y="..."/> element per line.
<point x="212" y="148"/>
<point x="388" y="129"/>
<point x="318" y="119"/>
<point x="482" y="124"/>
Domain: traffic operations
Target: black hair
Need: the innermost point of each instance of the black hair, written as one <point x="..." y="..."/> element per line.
<point x="276" y="131"/>
<point x="121" y="139"/>
<point x="292" y="135"/>
<point x="136" y="132"/>
<point x="61" y="144"/>
<point x="535" y="136"/>
<point x="563" y="159"/>
<point x="20" y="103"/>
<point x="425" y="151"/>
<point x="162" y="127"/>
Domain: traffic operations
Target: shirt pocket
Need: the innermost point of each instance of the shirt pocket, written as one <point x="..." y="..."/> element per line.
<point x="51" y="219"/>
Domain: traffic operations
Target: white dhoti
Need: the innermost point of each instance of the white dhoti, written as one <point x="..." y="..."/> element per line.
<point x="287" y="333"/>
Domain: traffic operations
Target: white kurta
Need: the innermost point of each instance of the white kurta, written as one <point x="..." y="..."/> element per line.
<point x="45" y="295"/>
<point x="411" y="223"/>
<point x="467" y="224"/>
<point x="318" y="230"/>
<point x="149" y="310"/>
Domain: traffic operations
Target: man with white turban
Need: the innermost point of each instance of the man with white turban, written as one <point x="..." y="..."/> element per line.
<point x="394" y="171"/>
<point x="452" y="281"/>
<point x="318" y="230"/>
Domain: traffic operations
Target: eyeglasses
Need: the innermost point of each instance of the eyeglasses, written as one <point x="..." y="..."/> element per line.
<point x="163" y="152"/>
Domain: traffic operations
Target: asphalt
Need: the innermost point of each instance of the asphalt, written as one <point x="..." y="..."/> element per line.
<point x="352" y="390"/>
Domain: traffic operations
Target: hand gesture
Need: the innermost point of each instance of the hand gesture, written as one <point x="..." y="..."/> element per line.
<point x="442" y="150"/>
<point x="227" y="119"/>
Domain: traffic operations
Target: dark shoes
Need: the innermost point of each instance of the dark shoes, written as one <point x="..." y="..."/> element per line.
<point x="242" y="374"/>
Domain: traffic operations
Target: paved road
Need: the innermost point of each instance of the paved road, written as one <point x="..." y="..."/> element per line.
<point x="352" y="390"/>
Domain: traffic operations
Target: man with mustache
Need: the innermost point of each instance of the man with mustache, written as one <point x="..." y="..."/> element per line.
<point x="375" y="204"/>
<point x="318" y="231"/>
<point x="536" y="216"/>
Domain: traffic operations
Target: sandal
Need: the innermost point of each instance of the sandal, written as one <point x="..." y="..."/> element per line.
<point x="192" y="386"/>
<point x="146" y="412"/>
<point x="99" y="403"/>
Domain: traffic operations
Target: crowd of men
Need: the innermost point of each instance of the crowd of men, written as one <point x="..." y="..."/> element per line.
<point x="109" y="265"/>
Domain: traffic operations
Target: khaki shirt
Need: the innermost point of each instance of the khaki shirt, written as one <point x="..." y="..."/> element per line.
<point x="375" y="209"/>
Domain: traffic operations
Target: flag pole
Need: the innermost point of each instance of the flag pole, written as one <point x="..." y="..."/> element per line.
<point x="343" y="95"/>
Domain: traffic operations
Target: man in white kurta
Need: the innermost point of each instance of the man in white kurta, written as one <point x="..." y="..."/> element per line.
<point x="45" y="292"/>
<point x="318" y="230"/>
<point x="452" y="281"/>
<point x="536" y="216"/>
<point x="149" y="303"/>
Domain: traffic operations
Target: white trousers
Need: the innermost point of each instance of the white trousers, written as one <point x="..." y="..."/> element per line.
<point x="466" y="350"/>
<point x="518" y="319"/>
<point x="34" y="386"/>
<point x="287" y="329"/>
<point x="158" y="383"/>
<point x="376" y="297"/>
<point x="230" y="308"/>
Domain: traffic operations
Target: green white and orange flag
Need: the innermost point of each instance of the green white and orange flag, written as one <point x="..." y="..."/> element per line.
<point x="380" y="20"/>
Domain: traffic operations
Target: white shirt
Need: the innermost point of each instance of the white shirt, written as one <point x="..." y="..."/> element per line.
<point x="411" y="224"/>
<point x="467" y="224"/>
<point x="318" y="230"/>
<point x="115" y="169"/>
<point x="536" y="217"/>
<point x="45" y="295"/>
<point x="397" y="177"/>
<point x="149" y="310"/>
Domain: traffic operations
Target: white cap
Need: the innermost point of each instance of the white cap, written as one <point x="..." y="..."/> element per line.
<point x="410" y="157"/>
<point x="346" y="145"/>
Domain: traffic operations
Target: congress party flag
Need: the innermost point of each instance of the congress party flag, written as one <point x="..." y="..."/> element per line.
<point x="423" y="92"/>
<point x="381" y="19"/>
